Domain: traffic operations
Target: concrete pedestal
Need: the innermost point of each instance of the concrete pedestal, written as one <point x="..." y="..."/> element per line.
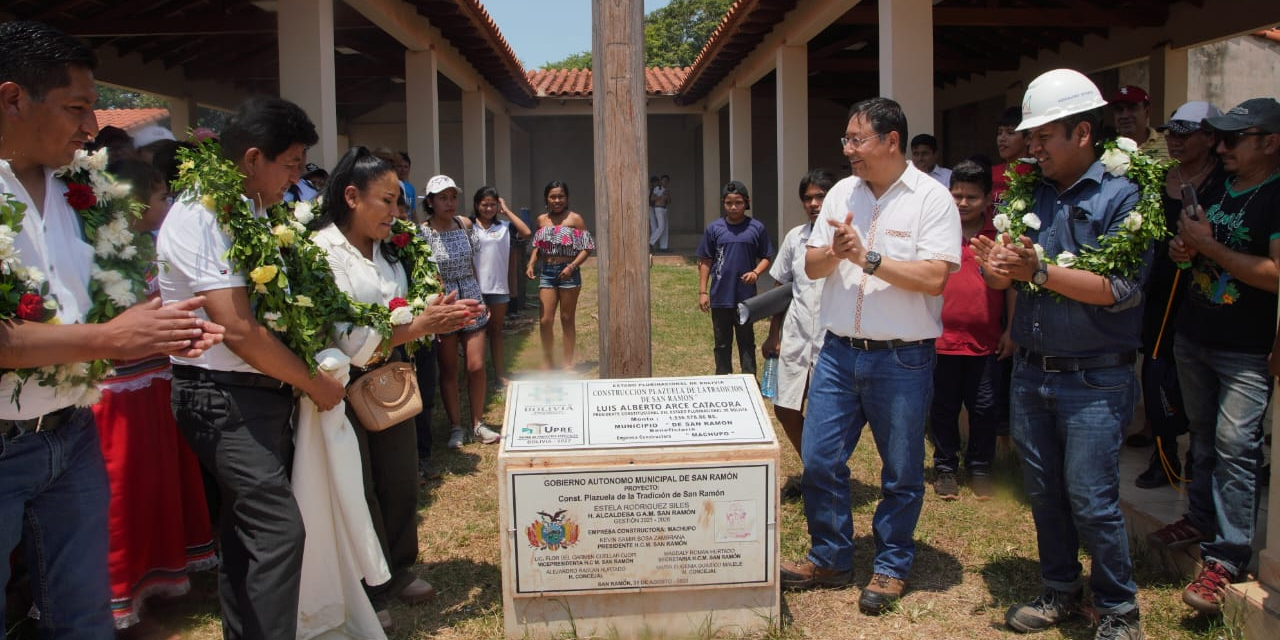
<point x="639" y="508"/>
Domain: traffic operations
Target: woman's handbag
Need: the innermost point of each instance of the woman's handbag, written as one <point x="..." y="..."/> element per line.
<point x="385" y="396"/>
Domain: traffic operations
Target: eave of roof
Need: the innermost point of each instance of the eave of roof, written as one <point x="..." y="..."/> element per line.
<point x="129" y="119"/>
<point x="576" y="83"/>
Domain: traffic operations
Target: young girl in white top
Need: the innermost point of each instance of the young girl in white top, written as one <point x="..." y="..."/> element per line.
<point x="493" y="264"/>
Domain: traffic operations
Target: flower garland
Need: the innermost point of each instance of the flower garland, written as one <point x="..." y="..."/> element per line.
<point x="1116" y="254"/>
<point x="118" y="277"/>
<point x="292" y="287"/>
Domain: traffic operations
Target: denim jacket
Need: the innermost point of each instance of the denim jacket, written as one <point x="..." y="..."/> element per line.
<point x="1096" y="205"/>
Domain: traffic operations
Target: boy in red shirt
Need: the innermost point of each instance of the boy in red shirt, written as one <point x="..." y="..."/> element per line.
<point x="972" y="341"/>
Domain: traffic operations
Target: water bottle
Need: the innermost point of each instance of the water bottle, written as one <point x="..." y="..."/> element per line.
<point x="769" y="379"/>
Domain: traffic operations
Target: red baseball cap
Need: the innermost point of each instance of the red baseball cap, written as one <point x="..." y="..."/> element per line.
<point x="1130" y="93"/>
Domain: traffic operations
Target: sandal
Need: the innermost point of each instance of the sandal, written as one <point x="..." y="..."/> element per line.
<point x="1175" y="536"/>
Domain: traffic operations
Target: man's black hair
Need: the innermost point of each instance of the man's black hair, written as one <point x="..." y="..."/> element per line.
<point x="972" y="172"/>
<point x="37" y="57"/>
<point x="926" y="140"/>
<point x="269" y="124"/>
<point x="1010" y="117"/>
<point x="884" y="115"/>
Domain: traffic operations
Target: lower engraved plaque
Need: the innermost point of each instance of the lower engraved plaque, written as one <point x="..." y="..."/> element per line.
<point x="643" y="527"/>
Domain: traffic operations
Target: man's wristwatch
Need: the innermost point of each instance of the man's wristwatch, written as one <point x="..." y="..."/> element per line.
<point x="873" y="263"/>
<point x="1041" y="275"/>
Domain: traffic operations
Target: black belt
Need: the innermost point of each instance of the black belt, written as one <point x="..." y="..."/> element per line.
<point x="230" y="378"/>
<point x="46" y="422"/>
<point x="1064" y="364"/>
<point x="873" y="345"/>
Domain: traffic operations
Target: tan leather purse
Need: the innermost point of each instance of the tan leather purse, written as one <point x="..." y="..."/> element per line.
<point x="385" y="396"/>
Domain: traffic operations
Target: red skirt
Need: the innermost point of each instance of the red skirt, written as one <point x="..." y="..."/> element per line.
<point x="158" y="521"/>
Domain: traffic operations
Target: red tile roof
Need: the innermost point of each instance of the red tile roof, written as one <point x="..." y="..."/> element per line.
<point x="576" y="83"/>
<point x="129" y="119"/>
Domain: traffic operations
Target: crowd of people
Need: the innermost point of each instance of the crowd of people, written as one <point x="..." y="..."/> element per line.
<point x="1024" y="292"/>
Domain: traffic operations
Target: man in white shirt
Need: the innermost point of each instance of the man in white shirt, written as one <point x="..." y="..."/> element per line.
<point x="924" y="155"/>
<point x="233" y="403"/>
<point x="52" y="477"/>
<point x="885" y="241"/>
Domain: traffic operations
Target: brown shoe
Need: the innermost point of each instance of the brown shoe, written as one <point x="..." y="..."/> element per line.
<point x="417" y="592"/>
<point x="804" y="575"/>
<point x="1178" y="535"/>
<point x="880" y="594"/>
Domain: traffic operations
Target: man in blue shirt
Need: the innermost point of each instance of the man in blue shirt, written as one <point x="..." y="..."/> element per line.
<point x="735" y="250"/>
<point x="1073" y="388"/>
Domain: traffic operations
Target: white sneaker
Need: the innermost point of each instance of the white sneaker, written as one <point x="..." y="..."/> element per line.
<point x="484" y="434"/>
<point x="457" y="437"/>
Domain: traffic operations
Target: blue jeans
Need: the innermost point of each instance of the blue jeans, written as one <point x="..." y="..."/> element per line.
<point x="1225" y="394"/>
<point x="890" y="389"/>
<point x="54" y="494"/>
<point x="1068" y="427"/>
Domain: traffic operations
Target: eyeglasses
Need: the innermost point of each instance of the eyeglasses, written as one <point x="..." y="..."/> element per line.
<point x="1232" y="138"/>
<point x="858" y="142"/>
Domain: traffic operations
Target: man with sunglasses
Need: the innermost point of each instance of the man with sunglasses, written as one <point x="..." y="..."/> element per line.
<point x="1225" y="330"/>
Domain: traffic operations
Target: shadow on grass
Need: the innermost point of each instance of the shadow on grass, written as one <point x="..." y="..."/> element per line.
<point x="466" y="590"/>
<point x="933" y="570"/>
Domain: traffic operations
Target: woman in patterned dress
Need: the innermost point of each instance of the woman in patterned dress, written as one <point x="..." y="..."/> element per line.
<point x="453" y="244"/>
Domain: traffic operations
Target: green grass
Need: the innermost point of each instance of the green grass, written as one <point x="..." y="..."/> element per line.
<point x="974" y="558"/>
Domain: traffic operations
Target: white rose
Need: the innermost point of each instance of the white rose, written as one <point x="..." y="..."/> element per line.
<point x="1126" y="144"/>
<point x="1134" y="222"/>
<point x="128" y="253"/>
<point x="272" y="319"/>
<point x="121" y="293"/>
<point x="34" y="277"/>
<point x="303" y="213"/>
<point x="1018" y="205"/>
<point x="401" y="315"/>
<point x="1000" y="222"/>
<point x="1116" y="162"/>
<point x="7" y="250"/>
<point x="97" y="160"/>
<point x="1032" y="221"/>
<point x="1039" y="252"/>
<point x="1066" y="259"/>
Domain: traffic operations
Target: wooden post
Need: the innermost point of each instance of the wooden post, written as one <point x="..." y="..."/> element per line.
<point x="618" y="114"/>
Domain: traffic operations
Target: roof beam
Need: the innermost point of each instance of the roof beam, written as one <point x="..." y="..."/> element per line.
<point x="198" y="25"/>
<point x="1017" y="17"/>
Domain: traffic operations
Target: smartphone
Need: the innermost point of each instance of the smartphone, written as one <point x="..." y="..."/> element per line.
<point x="1189" y="200"/>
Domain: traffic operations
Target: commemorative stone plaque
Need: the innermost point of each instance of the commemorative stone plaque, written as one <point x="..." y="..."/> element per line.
<point x="640" y="507"/>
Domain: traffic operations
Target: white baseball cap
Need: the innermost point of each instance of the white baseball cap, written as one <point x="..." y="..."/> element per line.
<point x="151" y="133"/>
<point x="439" y="183"/>
<point x="1188" y="117"/>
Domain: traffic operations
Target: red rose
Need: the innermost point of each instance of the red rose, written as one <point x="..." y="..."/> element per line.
<point x="31" y="306"/>
<point x="80" y="197"/>
<point x="396" y="303"/>
<point x="1023" y="168"/>
<point x="400" y="240"/>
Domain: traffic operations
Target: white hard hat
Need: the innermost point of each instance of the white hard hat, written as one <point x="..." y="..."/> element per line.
<point x="1058" y="94"/>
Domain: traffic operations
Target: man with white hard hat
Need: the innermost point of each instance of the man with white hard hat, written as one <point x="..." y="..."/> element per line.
<point x="1073" y="387"/>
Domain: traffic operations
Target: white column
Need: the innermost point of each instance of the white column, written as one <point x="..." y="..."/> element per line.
<point x="1168" y="88"/>
<point x="793" y="133"/>
<point x="474" y="171"/>
<point x="710" y="166"/>
<point x="182" y="116"/>
<point x="906" y="60"/>
<point x="739" y="137"/>
<point x="1269" y="557"/>
<point x="422" y="115"/>
<point x="306" y="70"/>
<point x="502" y="156"/>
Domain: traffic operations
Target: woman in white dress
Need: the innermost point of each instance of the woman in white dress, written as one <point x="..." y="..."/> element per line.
<point x="355" y="231"/>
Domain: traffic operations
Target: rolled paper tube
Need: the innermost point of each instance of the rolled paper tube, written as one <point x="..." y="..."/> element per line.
<point x="765" y="305"/>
